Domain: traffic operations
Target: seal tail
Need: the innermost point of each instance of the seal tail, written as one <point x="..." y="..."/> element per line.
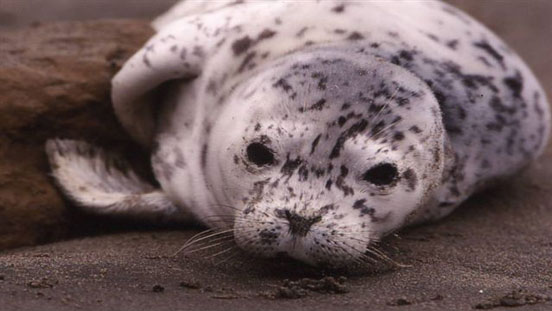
<point x="103" y="183"/>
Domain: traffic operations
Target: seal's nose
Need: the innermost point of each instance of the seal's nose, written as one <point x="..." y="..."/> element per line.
<point x="300" y="225"/>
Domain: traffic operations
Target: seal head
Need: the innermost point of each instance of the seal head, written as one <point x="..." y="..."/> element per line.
<point x="324" y="153"/>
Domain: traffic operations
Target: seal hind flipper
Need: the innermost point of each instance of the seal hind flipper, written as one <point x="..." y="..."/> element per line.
<point x="102" y="183"/>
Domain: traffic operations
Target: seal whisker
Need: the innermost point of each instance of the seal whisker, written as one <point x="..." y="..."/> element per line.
<point x="209" y="246"/>
<point x="216" y="239"/>
<point x="224" y="251"/>
<point x="374" y="251"/>
<point x="199" y="234"/>
<point x="376" y="117"/>
<point x="345" y="229"/>
<point x="237" y="251"/>
<point x="390" y="125"/>
<point x="210" y="235"/>
<point x="346" y="246"/>
<point x="385" y="257"/>
<point x="343" y="246"/>
<point x="223" y="217"/>
<point x="227" y="206"/>
<point x="285" y="104"/>
<point x="199" y="238"/>
<point x="360" y="257"/>
<point x="377" y="254"/>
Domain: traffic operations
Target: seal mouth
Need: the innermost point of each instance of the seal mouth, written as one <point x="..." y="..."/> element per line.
<point x="314" y="238"/>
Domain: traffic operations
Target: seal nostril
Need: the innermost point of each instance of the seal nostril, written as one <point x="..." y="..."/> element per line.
<point x="288" y="215"/>
<point x="300" y="225"/>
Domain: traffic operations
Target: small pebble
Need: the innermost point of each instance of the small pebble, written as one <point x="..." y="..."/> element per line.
<point x="158" y="288"/>
<point x="190" y="284"/>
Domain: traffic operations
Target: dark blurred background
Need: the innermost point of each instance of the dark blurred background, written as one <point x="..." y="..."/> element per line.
<point x="15" y="13"/>
<point x="524" y="24"/>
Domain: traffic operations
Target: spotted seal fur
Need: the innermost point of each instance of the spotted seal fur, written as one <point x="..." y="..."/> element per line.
<point x="312" y="128"/>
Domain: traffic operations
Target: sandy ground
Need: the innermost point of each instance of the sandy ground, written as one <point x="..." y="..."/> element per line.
<point x="497" y="243"/>
<point x="496" y="250"/>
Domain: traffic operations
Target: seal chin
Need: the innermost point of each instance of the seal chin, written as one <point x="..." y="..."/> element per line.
<point x="317" y="250"/>
<point x="300" y="248"/>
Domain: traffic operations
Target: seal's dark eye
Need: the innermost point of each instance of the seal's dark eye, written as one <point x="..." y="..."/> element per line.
<point x="381" y="174"/>
<point x="260" y="154"/>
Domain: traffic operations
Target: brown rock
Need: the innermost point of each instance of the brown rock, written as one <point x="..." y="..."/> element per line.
<point x="54" y="82"/>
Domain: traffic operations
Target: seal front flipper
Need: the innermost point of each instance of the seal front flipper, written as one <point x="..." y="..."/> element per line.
<point x="102" y="183"/>
<point x="178" y="51"/>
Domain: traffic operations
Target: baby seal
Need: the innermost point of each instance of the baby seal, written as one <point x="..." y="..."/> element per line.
<point x="312" y="128"/>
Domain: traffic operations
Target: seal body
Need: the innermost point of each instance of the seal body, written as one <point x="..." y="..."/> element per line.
<point x="313" y="128"/>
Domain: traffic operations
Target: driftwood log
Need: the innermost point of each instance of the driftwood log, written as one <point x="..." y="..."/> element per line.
<point x="55" y="82"/>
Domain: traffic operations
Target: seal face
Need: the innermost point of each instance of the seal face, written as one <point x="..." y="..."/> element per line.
<point x="322" y="154"/>
<point x="312" y="138"/>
